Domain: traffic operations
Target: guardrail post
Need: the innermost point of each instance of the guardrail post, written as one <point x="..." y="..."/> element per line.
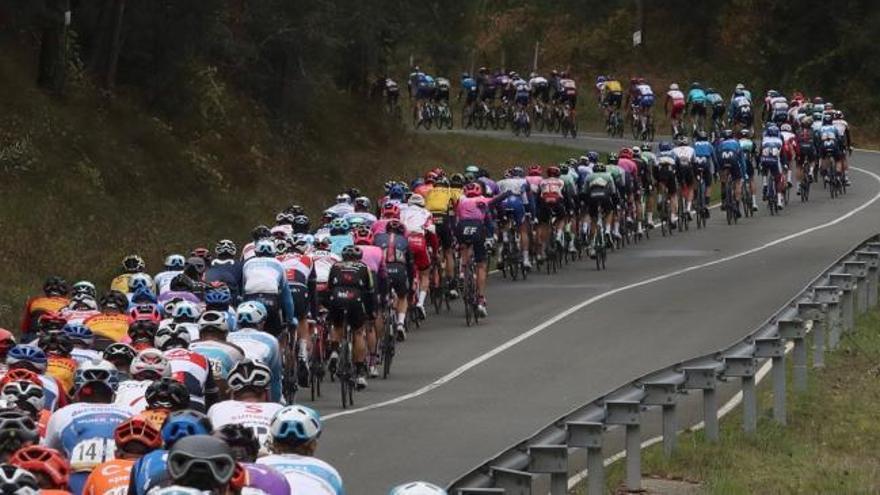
<point x="481" y="491"/>
<point x="773" y="347"/>
<point x="872" y="258"/>
<point x="705" y="378"/>
<point x="627" y="413"/>
<point x="830" y="296"/>
<point x="860" y="270"/>
<point x="665" y="395"/>
<point x="744" y="366"/>
<point x="588" y="435"/>
<point x="845" y="282"/>
<point x="794" y="330"/>
<point x="812" y="311"/>
<point x="512" y="481"/>
<point x="552" y="460"/>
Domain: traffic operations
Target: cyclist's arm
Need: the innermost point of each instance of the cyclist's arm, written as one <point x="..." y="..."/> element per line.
<point x="312" y="285"/>
<point x="212" y="391"/>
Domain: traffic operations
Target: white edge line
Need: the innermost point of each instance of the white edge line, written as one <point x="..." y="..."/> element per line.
<point x="452" y="375"/>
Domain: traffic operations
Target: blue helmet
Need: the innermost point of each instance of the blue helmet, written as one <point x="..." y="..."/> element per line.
<point x="184" y="423"/>
<point x="295" y="424"/>
<point x="665" y="146"/>
<point x="773" y="131"/>
<point x="27" y="354"/>
<point x="396" y="191"/>
<point x="593" y="156"/>
<point x="79" y="333"/>
<point x="218" y="295"/>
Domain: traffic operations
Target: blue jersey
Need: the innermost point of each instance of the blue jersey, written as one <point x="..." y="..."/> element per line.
<point x="714" y="99"/>
<point x="222" y="356"/>
<point x="697" y="96"/>
<point x="469" y="85"/>
<point x="257" y="344"/>
<point x="704" y="155"/>
<point x="730" y="152"/>
<point x="339" y="242"/>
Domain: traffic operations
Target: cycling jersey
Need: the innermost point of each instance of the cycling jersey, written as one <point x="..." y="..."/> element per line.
<point x="472" y="208"/>
<point x="340" y="242"/>
<point x="62" y="368"/>
<point x="551" y="191"/>
<point x="163" y="279"/>
<point x="109" y="478"/>
<point x="729" y="153"/>
<point x="109" y="327"/>
<point x="149" y="472"/>
<point x="78" y="315"/>
<point x="38" y="306"/>
<point x="84" y="355"/>
<point x="192" y="370"/>
<point x="417" y="220"/>
<point x="306" y="475"/>
<point x="262" y="479"/>
<point x="442" y="199"/>
<point x="696" y="96"/>
<point x="254" y="415"/>
<point x="351" y="293"/>
<point x="227" y="271"/>
<point x="771" y="152"/>
<point x="221" y="356"/>
<point x="264" y="277"/>
<point x="613" y="86"/>
<point x="130" y="394"/>
<point x="714" y="99"/>
<point x="262" y="346"/>
<point x="323" y="261"/>
<point x="645" y="95"/>
<point x="120" y="283"/>
<point x="374" y="258"/>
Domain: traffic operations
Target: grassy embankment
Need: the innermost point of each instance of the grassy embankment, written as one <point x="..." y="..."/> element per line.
<point x="86" y="179"/>
<point x="829" y="446"/>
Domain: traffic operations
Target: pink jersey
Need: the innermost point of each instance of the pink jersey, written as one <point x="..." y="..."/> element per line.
<point x="472" y="208"/>
<point x="628" y="165"/>
<point x="374" y="258"/>
<point x="417" y="220"/>
<point x="380" y="227"/>
<point x="534" y="181"/>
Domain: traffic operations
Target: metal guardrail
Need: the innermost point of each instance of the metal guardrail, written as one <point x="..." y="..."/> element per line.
<point x="824" y="310"/>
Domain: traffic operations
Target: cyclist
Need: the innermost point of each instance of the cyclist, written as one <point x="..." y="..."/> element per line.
<point x="715" y="101"/>
<point x="264" y="280"/>
<point x="600" y="187"/>
<point x="684" y="162"/>
<point x="771" y="162"/>
<point x="469" y="88"/>
<point x="696" y="103"/>
<point x="248" y="404"/>
<point x="301" y="276"/>
<point x="540" y="87"/>
<point x="250" y="477"/>
<point x="188" y="367"/>
<point x="846" y="145"/>
<point x="740" y="109"/>
<point x="53" y="299"/>
<point x="705" y="165"/>
<point x="295" y="431"/>
<point x="422" y="238"/>
<point x="225" y="268"/>
<point x="473" y="227"/>
<point x="666" y="179"/>
<point x="610" y="96"/>
<point x="111" y="324"/>
<point x="163" y="397"/>
<point x="352" y="295"/>
<point x="48" y="466"/>
<point x="643" y="102"/>
<point x="514" y="207"/>
<point x="60" y="364"/>
<point x="441" y="91"/>
<point x="674" y="106"/>
<point x="134" y="438"/>
<point x="399" y="269"/>
<point x="84" y="429"/>
<point x="731" y="166"/>
<point x="749" y="156"/>
<point x="555" y="198"/>
<point x="441" y="203"/>
<point x="806" y="150"/>
<point x="646" y="161"/>
<point x="775" y="108"/>
<point x="148" y="366"/>
<point x="257" y="344"/>
<point x="627" y="193"/>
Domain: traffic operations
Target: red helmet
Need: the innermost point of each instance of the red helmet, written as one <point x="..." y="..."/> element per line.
<point x="145" y="312"/>
<point x="395" y="226"/>
<point x="21" y="374"/>
<point x="390" y="210"/>
<point x="201" y="252"/>
<point x="472" y="190"/>
<point x="137" y="430"/>
<point x="51" y="321"/>
<point x="439" y="172"/>
<point x="43" y="460"/>
<point x="430" y="177"/>
<point x="553" y="171"/>
<point x="7" y="340"/>
<point x="536" y="170"/>
<point x="626" y="153"/>
<point x="362" y="235"/>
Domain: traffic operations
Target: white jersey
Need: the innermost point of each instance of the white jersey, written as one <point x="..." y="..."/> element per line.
<point x="684" y="154"/>
<point x="341" y="209"/>
<point x="323" y="262"/>
<point x="644" y="90"/>
<point x="163" y="280"/>
<point x="841" y="126"/>
<point x="255" y="415"/>
<point x="130" y="394"/>
<point x="85" y="355"/>
<point x="537" y="81"/>
<point x="306" y="475"/>
<point x="417" y="220"/>
<point x="675" y="95"/>
<point x="263" y="275"/>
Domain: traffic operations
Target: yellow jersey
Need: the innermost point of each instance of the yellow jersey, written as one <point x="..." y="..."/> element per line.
<point x="613" y="86"/>
<point x="113" y="327"/>
<point x="442" y="199"/>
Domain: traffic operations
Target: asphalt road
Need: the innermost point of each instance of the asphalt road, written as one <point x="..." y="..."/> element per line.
<point x="459" y="395"/>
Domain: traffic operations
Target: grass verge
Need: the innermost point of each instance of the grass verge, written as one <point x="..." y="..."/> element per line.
<point x="829" y="447"/>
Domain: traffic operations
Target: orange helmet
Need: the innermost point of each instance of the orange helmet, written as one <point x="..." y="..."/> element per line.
<point x="137" y="430"/>
<point x="21" y="374"/>
<point x="390" y="210"/>
<point x="43" y="460"/>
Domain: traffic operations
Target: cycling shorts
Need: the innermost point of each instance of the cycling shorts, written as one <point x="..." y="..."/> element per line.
<point x="614" y="99"/>
<point x="646" y="101"/>
<point x="300" y="294"/>
<point x="599" y="197"/>
<point x="698" y="108"/>
<point x="773" y="165"/>
<point x="718" y="111"/>
<point x="473" y="233"/>
<point x="546" y="211"/>
<point x="677" y="109"/>
<point x="666" y="177"/>
<point x="424" y="93"/>
<point x="350" y="309"/>
<point x="830" y="149"/>
<point x="542" y="92"/>
<point x="514" y="209"/>
<point x="418" y="246"/>
<point x="398" y="279"/>
<point x="443" y="227"/>
<point x="488" y="95"/>
<point x="471" y="97"/>
<point x="733" y="169"/>
<point x="685" y="174"/>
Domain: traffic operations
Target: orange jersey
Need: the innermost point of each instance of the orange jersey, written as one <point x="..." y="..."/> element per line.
<point x="109" y="478"/>
<point x="155" y="417"/>
<point x="37" y="306"/>
<point x="113" y="327"/>
<point x="54" y="492"/>
<point x="62" y="369"/>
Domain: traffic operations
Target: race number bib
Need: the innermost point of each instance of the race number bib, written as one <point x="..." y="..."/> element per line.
<point x="89" y="453"/>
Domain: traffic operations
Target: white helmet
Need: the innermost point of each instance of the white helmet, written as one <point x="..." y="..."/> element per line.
<point x="23" y="391"/>
<point x="416" y="200"/>
<point x="185" y="311"/>
<point x="673" y="87"/>
<point x="295" y="425"/>
<point x="175" y="262"/>
<point x="264" y="247"/>
<point x="343" y="199"/>
<point x="417" y="488"/>
<point x="150" y="360"/>
<point x="217" y="320"/>
<point x="251" y="313"/>
<point x="249" y="373"/>
<point x="20" y="480"/>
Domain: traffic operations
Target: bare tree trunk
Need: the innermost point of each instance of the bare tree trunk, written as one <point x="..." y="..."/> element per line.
<point x="115" y="45"/>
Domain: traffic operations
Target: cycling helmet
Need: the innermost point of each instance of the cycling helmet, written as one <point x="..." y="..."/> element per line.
<point x="600" y="79"/>
<point x="673" y="87"/>
<point x="626" y="153"/>
<point x="457" y="180"/>
<point x="284" y="218"/>
<point x="55" y="342"/>
<point x="24" y="394"/>
<point x="772" y="131"/>
<point x="27" y="356"/>
<point x="518" y="172"/>
<point x="362" y="203"/>
<point x="241" y="439"/>
<point x="83" y="302"/>
<point x="80" y="334"/>
<point x="396" y="227"/>
<point x="681" y="140"/>
<point x="599" y="167"/>
<point x="339" y="226"/>
<point x="170" y="335"/>
<point x="7" y="341"/>
<point x="328" y="216"/>
<point x="143" y="331"/>
<point x="225" y="247"/>
<point x="727" y="134"/>
<point x="665" y="146"/>
<point x="710" y="90"/>
<point x="137" y="430"/>
<point x="114" y="300"/>
<point x="647" y="147"/>
<point x="139" y="281"/>
<point x="218" y="294"/>
<point x="612" y="158"/>
<point x="264" y="247"/>
<point x="175" y="262"/>
<point x="248" y="374"/>
<point x="473" y="190"/>
<point x="416" y="200"/>
<point x="302" y="242"/>
<point x="564" y="169"/>
<point x="772" y="93"/>
<point x="84" y="287"/>
<point x="145" y="312"/>
<point x="133" y="264"/>
<point x="785" y="127"/>
<point x="417" y="488"/>
<point x="827" y="119"/>
<point x="430" y="177"/>
<point x="472" y="169"/>
<point x="17" y="481"/>
<point x="362" y="236"/>
<point x="55" y="286"/>
<point x="201" y="461"/>
<point x="281" y="246"/>
<point x="201" y="252"/>
<point x="120" y="354"/>
<point x="696" y="85"/>
<point x="390" y="210"/>
<point x="185" y="312"/>
<point x="150" y="364"/>
<point x="185" y="423"/>
<point x="45" y="461"/>
<point x="592" y="156"/>
<point x="51" y="321"/>
<point x="97" y="370"/>
<point x="167" y="393"/>
<point x="295" y="425"/>
<point x="352" y="253"/>
<point x="745" y="133"/>
<point x="343" y="198"/>
<point x="251" y="313"/>
<point x="214" y="321"/>
<point x="261" y="232"/>
<point x="295" y="209"/>
<point x="301" y="224"/>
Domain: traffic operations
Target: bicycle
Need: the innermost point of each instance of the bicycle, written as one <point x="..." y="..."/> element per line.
<point x="614" y="125"/>
<point x="664" y="211"/>
<point x="389" y="339"/>
<point x="700" y="195"/>
<point x="568" y="124"/>
<point x="444" y="115"/>
<point x="345" y="369"/>
<point x="317" y="367"/>
<point x="288" y="344"/>
<point x="521" y="123"/>
<point x="770" y="194"/>
<point x="511" y="257"/>
<point x="730" y="204"/>
<point x="469" y="294"/>
<point x="600" y="243"/>
<point x="437" y="292"/>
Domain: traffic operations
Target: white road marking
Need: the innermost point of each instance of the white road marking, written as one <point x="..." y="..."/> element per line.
<point x="452" y="375"/>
